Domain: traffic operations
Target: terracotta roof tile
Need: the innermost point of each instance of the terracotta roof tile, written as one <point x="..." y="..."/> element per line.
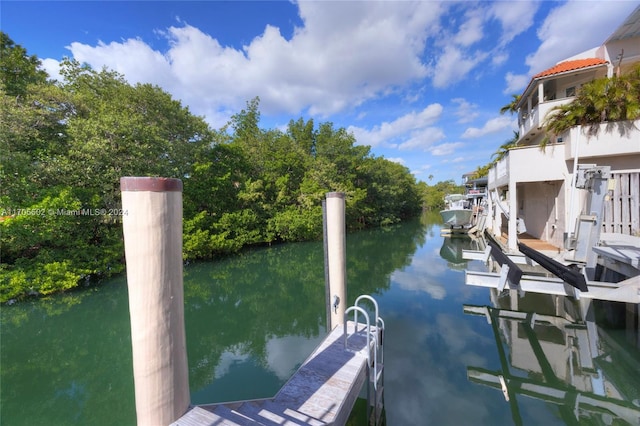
<point x="570" y="66"/>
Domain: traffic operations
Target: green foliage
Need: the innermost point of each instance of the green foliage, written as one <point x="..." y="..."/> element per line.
<point x="503" y="150"/>
<point x="66" y="144"/>
<point x="497" y="156"/>
<point x="433" y="196"/>
<point x="482" y="171"/>
<point x="511" y="107"/>
<point x="51" y="246"/>
<point x="598" y="101"/>
<point x="17" y="69"/>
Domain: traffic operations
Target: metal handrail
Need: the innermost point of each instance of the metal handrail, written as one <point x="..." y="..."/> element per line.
<point x="381" y="343"/>
<point x="375" y="304"/>
<point x="366" y="315"/>
<point x="379" y="336"/>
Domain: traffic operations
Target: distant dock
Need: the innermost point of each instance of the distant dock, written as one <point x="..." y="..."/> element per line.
<point x="322" y="392"/>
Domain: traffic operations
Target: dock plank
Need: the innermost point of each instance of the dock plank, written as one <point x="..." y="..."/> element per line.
<point x="322" y="391"/>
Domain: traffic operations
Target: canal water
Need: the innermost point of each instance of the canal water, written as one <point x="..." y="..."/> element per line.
<point x="454" y="354"/>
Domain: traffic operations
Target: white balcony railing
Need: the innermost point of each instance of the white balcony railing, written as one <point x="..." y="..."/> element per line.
<point x="611" y="139"/>
<point x="535" y="119"/>
<point x="529" y="164"/>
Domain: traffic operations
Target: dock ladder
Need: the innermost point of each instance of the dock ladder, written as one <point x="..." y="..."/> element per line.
<point x="375" y="364"/>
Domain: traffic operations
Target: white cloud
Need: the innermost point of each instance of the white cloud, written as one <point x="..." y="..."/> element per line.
<point x="52" y="67"/>
<point x="499" y="58"/>
<point x="387" y="133"/>
<point x="284" y="354"/>
<point x="492" y="126"/>
<point x="421" y="169"/>
<point x="234" y="354"/>
<point x="422" y="139"/>
<point x="414" y="282"/>
<point x="133" y="58"/>
<point x="454" y="61"/>
<point x="397" y="160"/>
<point x="446" y="148"/>
<point x="515" y="83"/>
<point x="515" y="17"/>
<point x="343" y="55"/>
<point x="574" y="27"/>
<point x="465" y="111"/>
<point x="315" y="70"/>
<point x="454" y="65"/>
<point x="471" y="31"/>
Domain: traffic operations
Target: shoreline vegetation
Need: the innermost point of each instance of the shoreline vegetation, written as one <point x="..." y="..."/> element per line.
<point x="65" y="145"/>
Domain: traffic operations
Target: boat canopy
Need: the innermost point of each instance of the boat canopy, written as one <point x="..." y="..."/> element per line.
<point x="451" y="198"/>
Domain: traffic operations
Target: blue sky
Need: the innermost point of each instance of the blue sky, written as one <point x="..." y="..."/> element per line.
<point x="422" y="82"/>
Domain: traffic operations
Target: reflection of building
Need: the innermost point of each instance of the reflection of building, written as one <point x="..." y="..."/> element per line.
<point x="568" y="359"/>
<point x="454" y="245"/>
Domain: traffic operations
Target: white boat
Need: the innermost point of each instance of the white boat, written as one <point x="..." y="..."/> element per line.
<point x="456" y="212"/>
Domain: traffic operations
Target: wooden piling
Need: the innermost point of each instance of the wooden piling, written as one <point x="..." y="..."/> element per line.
<point x="152" y="226"/>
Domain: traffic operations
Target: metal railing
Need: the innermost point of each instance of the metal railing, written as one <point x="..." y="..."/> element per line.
<point x="373" y="366"/>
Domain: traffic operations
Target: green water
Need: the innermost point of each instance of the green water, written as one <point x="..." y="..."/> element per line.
<point x="252" y="319"/>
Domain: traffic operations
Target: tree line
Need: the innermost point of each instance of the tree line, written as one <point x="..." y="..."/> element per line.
<point x="65" y="144"/>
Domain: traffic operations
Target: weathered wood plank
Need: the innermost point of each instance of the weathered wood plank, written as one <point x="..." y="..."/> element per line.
<point x="634" y="191"/>
<point x="622" y="210"/>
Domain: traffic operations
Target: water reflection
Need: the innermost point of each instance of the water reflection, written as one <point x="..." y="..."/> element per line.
<point x="454" y="244"/>
<point x="264" y="311"/>
<point x="551" y="349"/>
<point x="252" y="319"/>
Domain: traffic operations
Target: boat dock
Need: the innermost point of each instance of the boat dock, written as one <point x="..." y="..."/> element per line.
<point x="519" y="271"/>
<point x="322" y="391"/>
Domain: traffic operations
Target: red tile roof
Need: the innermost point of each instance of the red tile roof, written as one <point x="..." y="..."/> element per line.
<point x="570" y="66"/>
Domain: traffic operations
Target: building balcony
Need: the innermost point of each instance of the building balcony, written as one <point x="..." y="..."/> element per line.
<point x="531" y="122"/>
<point x="611" y="140"/>
<point x="529" y="164"/>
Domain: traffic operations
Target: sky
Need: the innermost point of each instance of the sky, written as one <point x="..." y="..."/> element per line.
<point x="422" y="83"/>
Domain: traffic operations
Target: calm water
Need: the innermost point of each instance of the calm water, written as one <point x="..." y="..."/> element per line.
<point x="252" y="319"/>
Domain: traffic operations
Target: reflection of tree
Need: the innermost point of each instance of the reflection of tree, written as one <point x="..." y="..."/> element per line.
<point x="243" y="301"/>
<point x="71" y="362"/>
<point x="57" y="353"/>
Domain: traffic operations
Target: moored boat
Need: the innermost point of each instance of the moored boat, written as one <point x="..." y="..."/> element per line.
<point x="457" y="212"/>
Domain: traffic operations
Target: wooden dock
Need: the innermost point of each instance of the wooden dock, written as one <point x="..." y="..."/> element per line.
<point x="322" y="391"/>
<point x="533" y="242"/>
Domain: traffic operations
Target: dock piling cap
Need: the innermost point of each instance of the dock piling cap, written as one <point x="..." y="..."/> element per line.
<point x="335" y="195"/>
<point x="152" y="184"/>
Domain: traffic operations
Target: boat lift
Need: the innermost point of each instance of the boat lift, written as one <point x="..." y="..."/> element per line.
<point x="578" y="278"/>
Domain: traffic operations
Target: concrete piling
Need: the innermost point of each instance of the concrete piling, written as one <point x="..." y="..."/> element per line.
<point x="336" y="257"/>
<point x="152" y="226"/>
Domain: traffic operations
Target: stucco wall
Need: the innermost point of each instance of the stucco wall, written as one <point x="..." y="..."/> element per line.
<point x="538" y="201"/>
